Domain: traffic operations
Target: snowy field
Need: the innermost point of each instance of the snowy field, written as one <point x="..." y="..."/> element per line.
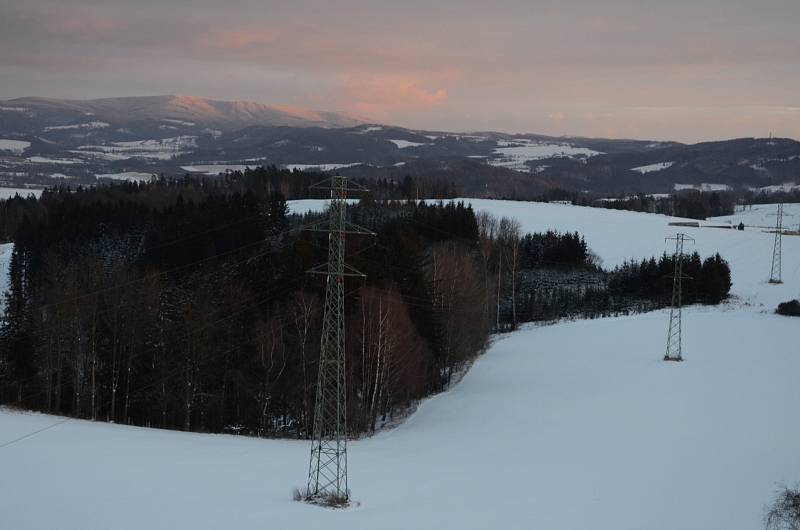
<point x="130" y="176"/>
<point x="403" y="144"/>
<point x="763" y="215"/>
<point x="319" y="167"/>
<point x="216" y="169"/>
<point x="660" y="166"/>
<point x="15" y="146"/>
<point x="617" y="236"/>
<point x="515" y="154"/>
<point x="705" y="186"/>
<point x="7" y="193"/>
<point x="161" y="149"/>
<point x="573" y="426"/>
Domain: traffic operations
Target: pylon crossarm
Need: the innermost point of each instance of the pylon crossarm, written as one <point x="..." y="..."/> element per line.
<point x="330" y="183"/>
<point x="324" y="270"/>
<point x="350" y="228"/>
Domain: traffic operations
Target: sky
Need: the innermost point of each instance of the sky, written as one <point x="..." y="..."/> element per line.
<point x="687" y="70"/>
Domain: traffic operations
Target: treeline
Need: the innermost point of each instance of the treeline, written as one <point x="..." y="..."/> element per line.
<point x="295" y="184"/>
<point x="186" y="305"/>
<point x="706" y="281"/>
<point x="689" y="204"/>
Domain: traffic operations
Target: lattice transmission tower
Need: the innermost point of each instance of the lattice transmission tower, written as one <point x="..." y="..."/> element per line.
<point x="327" y="469"/>
<point x="674" y="352"/>
<point x="775" y="272"/>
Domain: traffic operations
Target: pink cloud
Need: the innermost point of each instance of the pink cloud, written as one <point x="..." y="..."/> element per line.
<point x="383" y="96"/>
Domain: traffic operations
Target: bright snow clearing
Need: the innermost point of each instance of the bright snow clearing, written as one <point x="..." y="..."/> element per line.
<point x="516" y="154"/>
<point x="571" y="426"/>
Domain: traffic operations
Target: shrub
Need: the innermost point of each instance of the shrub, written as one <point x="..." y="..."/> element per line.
<point x="790" y="308"/>
<point x="784" y="514"/>
<point x="328" y="501"/>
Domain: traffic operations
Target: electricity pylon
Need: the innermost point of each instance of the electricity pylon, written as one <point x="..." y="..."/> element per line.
<point x="775" y="273"/>
<point x="327" y="469"/>
<point x="674" y="335"/>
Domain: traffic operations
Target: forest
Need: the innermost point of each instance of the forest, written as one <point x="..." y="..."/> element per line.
<point x="185" y="304"/>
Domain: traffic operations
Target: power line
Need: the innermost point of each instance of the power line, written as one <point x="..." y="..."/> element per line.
<point x="327" y="469"/>
<point x="775" y="271"/>
<point x="674" y="352"/>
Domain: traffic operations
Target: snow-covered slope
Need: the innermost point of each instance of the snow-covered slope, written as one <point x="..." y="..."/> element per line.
<point x="564" y="427"/>
<point x="574" y="426"/>
<point x="763" y="215"/>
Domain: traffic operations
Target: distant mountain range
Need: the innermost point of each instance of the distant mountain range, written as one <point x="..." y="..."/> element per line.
<point x="45" y="141"/>
<point x="223" y="115"/>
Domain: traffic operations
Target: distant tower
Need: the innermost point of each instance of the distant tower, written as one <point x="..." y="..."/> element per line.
<point x="327" y="470"/>
<point x="775" y="273"/>
<point x="674" y="352"/>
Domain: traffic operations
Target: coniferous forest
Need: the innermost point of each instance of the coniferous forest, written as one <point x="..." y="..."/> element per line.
<point x="186" y="304"/>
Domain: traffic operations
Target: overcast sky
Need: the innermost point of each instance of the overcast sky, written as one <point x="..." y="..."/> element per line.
<point x="663" y="69"/>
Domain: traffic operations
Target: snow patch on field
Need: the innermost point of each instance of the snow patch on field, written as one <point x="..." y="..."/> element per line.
<point x="304" y="206"/>
<point x="15" y="146"/>
<point x="89" y="125"/>
<point x="131" y="176"/>
<point x="403" y="144"/>
<point x="319" y="167"/>
<point x="180" y="122"/>
<point x="762" y="216"/>
<point x="14" y="109"/>
<point x="161" y="149"/>
<point x="215" y="169"/>
<point x="705" y="187"/>
<point x="7" y="193"/>
<point x="515" y="154"/>
<point x="660" y="166"/>
<point x="785" y="187"/>
<point x="45" y="160"/>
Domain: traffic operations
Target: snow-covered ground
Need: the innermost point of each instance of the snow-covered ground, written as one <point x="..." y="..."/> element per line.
<point x="402" y="144"/>
<point x="660" y="166"/>
<point x="59" y="161"/>
<point x="7" y="193"/>
<point x="515" y="154"/>
<point x="564" y="427"/>
<point x="786" y="187"/>
<point x="131" y="176"/>
<point x="161" y="149"/>
<point x="216" y="169"/>
<point x="763" y="215"/>
<point x="319" y="167"/>
<point x="705" y="186"/>
<point x="89" y="125"/>
<point x="15" y="146"/>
